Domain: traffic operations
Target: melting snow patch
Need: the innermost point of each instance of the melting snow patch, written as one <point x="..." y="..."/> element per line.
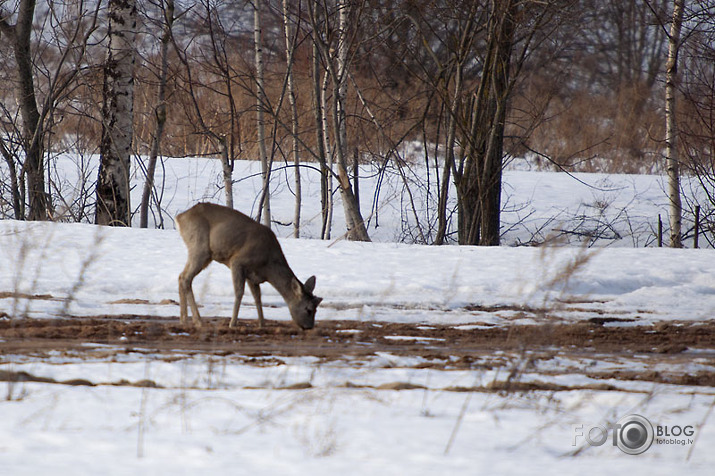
<point x="415" y="338"/>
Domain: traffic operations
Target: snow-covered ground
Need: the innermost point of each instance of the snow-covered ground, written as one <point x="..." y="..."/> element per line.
<point x="100" y="269"/>
<point x="210" y="423"/>
<point x="221" y="414"/>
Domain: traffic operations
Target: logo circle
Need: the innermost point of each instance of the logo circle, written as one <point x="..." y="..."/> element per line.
<point x="634" y="434"/>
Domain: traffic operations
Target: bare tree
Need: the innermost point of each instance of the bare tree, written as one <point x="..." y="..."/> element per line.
<point x="320" y="35"/>
<point x="356" y="225"/>
<point x="335" y="57"/>
<point x="211" y="61"/>
<point x="264" y="209"/>
<point x="290" y="38"/>
<point x="320" y="83"/>
<point x="471" y="56"/>
<point x="695" y="114"/>
<point x="671" y="134"/>
<point x="321" y="146"/>
<point x="159" y="112"/>
<point x="44" y="72"/>
<point x="621" y="48"/>
<point x="479" y="175"/>
<point x="466" y="34"/>
<point x="19" y="36"/>
<point x="458" y="76"/>
<point x="113" y="188"/>
<point x="475" y="121"/>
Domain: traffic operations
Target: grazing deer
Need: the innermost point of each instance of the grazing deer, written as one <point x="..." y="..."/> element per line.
<point x="252" y="253"/>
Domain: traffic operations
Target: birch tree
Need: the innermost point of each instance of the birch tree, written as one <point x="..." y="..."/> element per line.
<point x="334" y="53"/>
<point x="672" y="163"/>
<point x="356" y="224"/>
<point x="322" y="148"/>
<point x="113" y="190"/>
<point x="264" y="210"/>
<point x="290" y="53"/>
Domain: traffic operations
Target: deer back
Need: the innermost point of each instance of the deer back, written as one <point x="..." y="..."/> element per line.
<point x="229" y="234"/>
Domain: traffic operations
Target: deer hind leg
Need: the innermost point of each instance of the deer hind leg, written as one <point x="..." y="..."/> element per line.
<point x="256" y="291"/>
<point x="239" y="282"/>
<point x="195" y="264"/>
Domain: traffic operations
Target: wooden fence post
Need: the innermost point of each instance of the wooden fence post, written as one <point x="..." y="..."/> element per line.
<point x="696" y="236"/>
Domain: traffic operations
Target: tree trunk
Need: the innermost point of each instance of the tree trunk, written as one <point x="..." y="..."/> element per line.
<point x="353" y="218"/>
<point x="479" y="178"/>
<point x="330" y="154"/>
<point x="264" y="211"/>
<point x="160" y="114"/>
<point x="672" y="163"/>
<point x="113" y="188"/>
<point x="32" y="131"/>
<point x="17" y="202"/>
<point x="227" y="171"/>
<point x="318" y="111"/>
<point x="322" y="73"/>
<point x="448" y="160"/>
<point x="290" y="51"/>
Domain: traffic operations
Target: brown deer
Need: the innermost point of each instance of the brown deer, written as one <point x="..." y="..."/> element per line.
<point x="252" y="253"/>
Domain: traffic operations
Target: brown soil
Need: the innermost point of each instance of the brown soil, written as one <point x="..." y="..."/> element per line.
<point x="440" y="346"/>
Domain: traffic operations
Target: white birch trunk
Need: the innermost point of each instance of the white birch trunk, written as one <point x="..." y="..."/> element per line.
<point x="328" y="153"/>
<point x="265" y="209"/>
<point x="320" y="131"/>
<point x="290" y="50"/>
<point x="227" y="171"/>
<point x="113" y="205"/>
<point x="353" y="218"/>
<point x="672" y="163"/>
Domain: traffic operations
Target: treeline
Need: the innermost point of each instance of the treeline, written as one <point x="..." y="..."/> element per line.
<point x="575" y="85"/>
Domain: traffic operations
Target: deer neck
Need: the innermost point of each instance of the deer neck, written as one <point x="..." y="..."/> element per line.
<point x="283" y="279"/>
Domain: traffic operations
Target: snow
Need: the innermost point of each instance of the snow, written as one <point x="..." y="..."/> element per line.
<point x="222" y="414"/>
<point x="210" y="423"/>
<point x="622" y="210"/>
<point x="90" y="271"/>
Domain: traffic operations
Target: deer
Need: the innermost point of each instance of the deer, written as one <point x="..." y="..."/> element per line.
<point x="253" y="254"/>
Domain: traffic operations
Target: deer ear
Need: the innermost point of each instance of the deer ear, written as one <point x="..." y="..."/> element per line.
<point x="317" y="301"/>
<point x="309" y="284"/>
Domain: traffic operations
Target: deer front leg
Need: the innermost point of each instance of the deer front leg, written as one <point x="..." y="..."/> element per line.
<point x="256" y="291"/>
<point x="239" y="281"/>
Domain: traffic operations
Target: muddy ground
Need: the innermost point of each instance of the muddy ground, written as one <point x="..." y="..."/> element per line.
<point x="440" y="346"/>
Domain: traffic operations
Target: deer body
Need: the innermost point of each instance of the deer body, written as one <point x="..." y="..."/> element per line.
<point x="252" y="253"/>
